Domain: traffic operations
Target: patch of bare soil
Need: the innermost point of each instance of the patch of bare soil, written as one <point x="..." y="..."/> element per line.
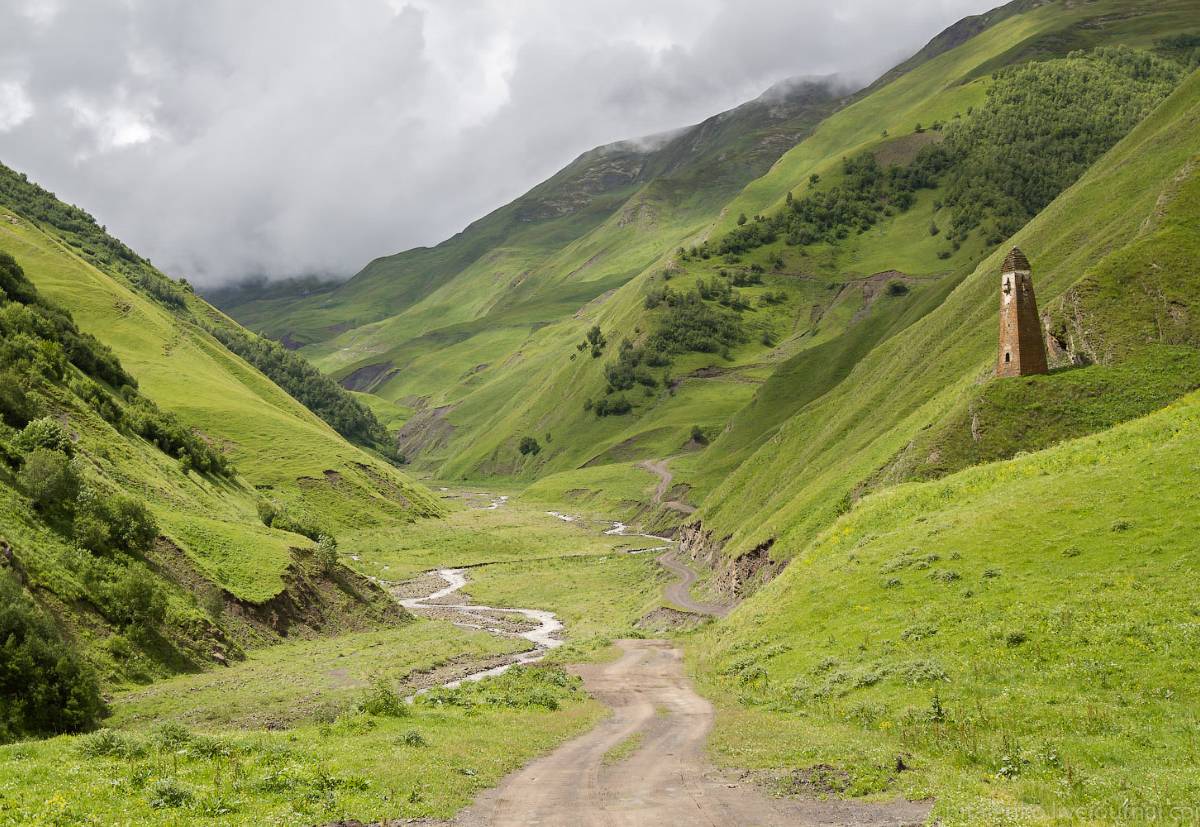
<point x="666" y="619"/>
<point x="426" y="430"/>
<point x="735" y="577"/>
<point x="368" y="376"/>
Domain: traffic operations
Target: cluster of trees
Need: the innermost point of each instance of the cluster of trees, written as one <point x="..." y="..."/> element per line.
<point x="1042" y="125"/>
<point x="594" y="341"/>
<point x="689" y="324"/>
<point x="90" y="239"/>
<point x="45" y="687"/>
<point x="311" y="388"/>
<point x="39" y="344"/>
<point x="865" y="193"/>
<point x="321" y="395"/>
<point x="1184" y="49"/>
<point x="52" y="477"/>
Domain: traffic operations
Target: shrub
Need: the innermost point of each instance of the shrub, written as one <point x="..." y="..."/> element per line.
<point x="922" y="671"/>
<point x="698" y="436"/>
<point x="382" y="700"/>
<point x="1015" y="638"/>
<point x="327" y="553"/>
<point x="169" y="793"/>
<point x="529" y="446"/>
<point x="412" y="738"/>
<point x="48" y="433"/>
<point x="919" y="632"/>
<point x="266" y="511"/>
<point x="108" y="743"/>
<point x="45" y="688"/>
<point x="135" y="602"/>
<point x="49" y="479"/>
<point x="16" y="408"/>
<point x="612" y="407"/>
<point x="171" y="736"/>
<point x="896" y="288"/>
<point x="104" y="522"/>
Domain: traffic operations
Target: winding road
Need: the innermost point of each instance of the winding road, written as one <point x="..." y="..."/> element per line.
<point x="666" y="780"/>
<point x="646" y="763"/>
<point x="679" y="592"/>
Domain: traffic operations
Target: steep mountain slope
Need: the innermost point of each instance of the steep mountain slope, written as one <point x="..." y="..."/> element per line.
<point x="160" y="498"/>
<point x="487" y="357"/>
<point x="1005" y="638"/>
<point x="492" y="392"/>
<point x="848" y="439"/>
<point x="674" y="176"/>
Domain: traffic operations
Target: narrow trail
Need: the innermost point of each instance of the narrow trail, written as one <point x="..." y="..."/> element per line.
<point x="667" y="780"/>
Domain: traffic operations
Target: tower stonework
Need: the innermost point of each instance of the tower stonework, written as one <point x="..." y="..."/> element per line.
<point x="1022" y="348"/>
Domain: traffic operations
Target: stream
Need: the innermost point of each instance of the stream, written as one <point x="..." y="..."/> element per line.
<point x="542" y="637"/>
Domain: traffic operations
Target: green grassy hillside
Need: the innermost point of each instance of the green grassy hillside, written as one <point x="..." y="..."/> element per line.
<point x="487" y="355"/>
<point x="835" y="445"/>
<point x="281" y="449"/>
<point x="1009" y="639"/>
<point x="161" y="498"/>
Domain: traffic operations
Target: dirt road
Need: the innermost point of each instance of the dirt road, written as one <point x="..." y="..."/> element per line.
<point x="660" y="468"/>
<point x="646" y="765"/>
<point x="679" y="593"/>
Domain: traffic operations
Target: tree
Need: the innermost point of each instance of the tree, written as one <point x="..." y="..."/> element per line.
<point x="529" y="446"/>
<point x="136" y="603"/>
<point x="741" y="220"/>
<point x="46" y="432"/>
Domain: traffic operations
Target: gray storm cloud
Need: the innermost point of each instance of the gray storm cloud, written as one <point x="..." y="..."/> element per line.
<point x="289" y="137"/>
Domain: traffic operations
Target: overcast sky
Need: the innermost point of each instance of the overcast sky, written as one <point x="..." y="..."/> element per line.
<point x="226" y="138"/>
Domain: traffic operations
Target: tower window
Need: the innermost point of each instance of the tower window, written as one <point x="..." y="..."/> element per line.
<point x="1007" y="357"/>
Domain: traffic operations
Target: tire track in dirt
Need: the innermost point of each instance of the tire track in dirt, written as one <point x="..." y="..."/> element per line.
<point x="667" y="781"/>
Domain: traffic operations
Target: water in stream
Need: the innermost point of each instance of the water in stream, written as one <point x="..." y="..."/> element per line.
<point x="542" y="637"/>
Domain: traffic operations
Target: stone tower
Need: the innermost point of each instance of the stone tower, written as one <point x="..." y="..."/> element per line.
<point x="1022" y="348"/>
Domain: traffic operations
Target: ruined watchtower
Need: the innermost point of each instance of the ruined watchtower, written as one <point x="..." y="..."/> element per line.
<point x="1022" y="348"/>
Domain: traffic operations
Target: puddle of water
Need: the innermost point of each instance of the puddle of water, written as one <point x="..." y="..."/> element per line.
<point x="566" y="518"/>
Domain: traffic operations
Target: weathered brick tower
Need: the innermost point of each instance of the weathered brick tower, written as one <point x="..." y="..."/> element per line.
<point x="1022" y="348"/>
